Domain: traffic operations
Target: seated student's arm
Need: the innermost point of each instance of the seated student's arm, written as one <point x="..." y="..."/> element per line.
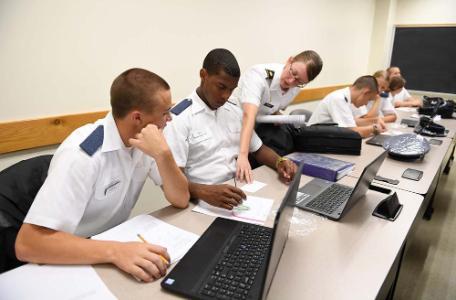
<point x="177" y="134"/>
<point x="285" y="168"/>
<point x="174" y="184"/>
<point x="373" y="111"/>
<point x="46" y="235"/>
<point x="366" y="121"/>
<point x="389" y="118"/>
<point x="342" y="115"/>
<point x="42" y="245"/>
<point x="368" y="130"/>
<point x="410" y="102"/>
<point x="218" y="195"/>
<point x="243" y="169"/>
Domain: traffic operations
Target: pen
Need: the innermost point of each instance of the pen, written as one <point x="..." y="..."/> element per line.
<point x="144" y="241"/>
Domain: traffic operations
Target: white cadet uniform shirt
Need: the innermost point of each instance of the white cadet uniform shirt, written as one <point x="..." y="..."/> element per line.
<point x="205" y="142"/>
<point x="385" y="108"/>
<point x="403" y="95"/>
<point x="85" y="195"/>
<point x="254" y="87"/>
<point x="335" y="108"/>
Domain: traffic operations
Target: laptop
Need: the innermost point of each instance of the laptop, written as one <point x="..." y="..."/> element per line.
<point x="233" y="259"/>
<point x="334" y="200"/>
<point x="378" y="140"/>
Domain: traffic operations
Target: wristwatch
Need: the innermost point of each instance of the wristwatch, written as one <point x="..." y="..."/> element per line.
<point x="279" y="160"/>
<point x="375" y="128"/>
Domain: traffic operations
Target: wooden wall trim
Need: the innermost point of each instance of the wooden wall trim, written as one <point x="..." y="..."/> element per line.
<point x="316" y="93"/>
<point x="425" y="25"/>
<point x="27" y="134"/>
<point x="34" y="133"/>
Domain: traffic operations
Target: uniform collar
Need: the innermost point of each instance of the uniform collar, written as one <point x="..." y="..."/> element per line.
<point x="112" y="140"/>
<point x="275" y="83"/>
<point x="347" y="95"/>
<point x="199" y="105"/>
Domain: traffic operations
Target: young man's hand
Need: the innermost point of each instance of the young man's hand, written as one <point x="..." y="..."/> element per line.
<point x="286" y="170"/>
<point x="141" y="260"/>
<point x="381" y="126"/>
<point x="222" y="195"/>
<point x="150" y="141"/>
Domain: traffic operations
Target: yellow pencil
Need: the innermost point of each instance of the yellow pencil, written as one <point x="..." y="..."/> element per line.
<point x="144" y="241"/>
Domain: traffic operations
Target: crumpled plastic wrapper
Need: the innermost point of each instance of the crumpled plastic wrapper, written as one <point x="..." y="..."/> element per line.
<point x="304" y="223"/>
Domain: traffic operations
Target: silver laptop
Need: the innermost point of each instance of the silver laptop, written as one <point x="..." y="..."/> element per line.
<point x="334" y="200"/>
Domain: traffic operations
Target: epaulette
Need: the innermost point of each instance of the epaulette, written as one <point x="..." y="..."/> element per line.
<point x="231" y="102"/>
<point x="93" y="142"/>
<point x="345" y="98"/>
<point x="181" y="106"/>
<point x="269" y="74"/>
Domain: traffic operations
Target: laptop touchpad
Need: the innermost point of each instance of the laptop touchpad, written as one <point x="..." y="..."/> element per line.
<point x="312" y="189"/>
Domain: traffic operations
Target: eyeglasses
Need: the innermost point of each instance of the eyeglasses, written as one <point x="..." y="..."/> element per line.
<point x="295" y="76"/>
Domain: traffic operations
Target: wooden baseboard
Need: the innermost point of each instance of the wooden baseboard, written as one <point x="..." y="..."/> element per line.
<point x="316" y="93"/>
<point x="28" y="134"/>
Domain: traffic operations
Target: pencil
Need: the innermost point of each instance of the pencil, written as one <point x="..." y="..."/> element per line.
<point x="144" y="241"/>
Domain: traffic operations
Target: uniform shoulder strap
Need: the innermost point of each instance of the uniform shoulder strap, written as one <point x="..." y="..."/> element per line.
<point x="93" y="142"/>
<point x="181" y="106"/>
<point x="269" y="74"/>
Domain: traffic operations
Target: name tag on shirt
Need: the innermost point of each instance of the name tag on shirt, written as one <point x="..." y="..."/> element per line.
<point x="199" y="136"/>
<point x="269" y="105"/>
<point x="111" y="186"/>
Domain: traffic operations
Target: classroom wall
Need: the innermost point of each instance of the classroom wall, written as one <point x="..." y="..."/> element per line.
<point x="389" y="13"/>
<point x="61" y="56"/>
<point x="425" y="12"/>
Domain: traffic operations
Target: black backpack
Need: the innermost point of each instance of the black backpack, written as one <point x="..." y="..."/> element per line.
<point x="437" y="106"/>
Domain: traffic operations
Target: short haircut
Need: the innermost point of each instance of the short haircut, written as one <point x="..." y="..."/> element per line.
<point x="313" y="63"/>
<point x="221" y="60"/>
<point x="380" y="74"/>
<point x="366" y="81"/>
<point x="135" y="89"/>
<point x="397" y="82"/>
<point x="389" y="71"/>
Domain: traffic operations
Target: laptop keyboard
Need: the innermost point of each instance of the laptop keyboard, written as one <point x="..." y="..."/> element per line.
<point x="235" y="271"/>
<point x="330" y="199"/>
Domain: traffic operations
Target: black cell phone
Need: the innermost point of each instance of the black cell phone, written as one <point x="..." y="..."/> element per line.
<point x="409" y="122"/>
<point x="435" y="142"/>
<point x="412" y="174"/>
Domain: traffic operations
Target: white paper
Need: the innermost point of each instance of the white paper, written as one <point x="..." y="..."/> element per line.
<point x="177" y="241"/>
<point x="48" y="282"/>
<point x="253" y="187"/>
<point x="257" y="213"/>
<point x="408" y="109"/>
<point x="282" y="119"/>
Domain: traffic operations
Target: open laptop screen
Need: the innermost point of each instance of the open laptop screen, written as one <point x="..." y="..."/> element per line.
<point x="281" y="227"/>
<point x="365" y="180"/>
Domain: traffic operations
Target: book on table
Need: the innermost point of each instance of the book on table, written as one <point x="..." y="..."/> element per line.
<point x="320" y="166"/>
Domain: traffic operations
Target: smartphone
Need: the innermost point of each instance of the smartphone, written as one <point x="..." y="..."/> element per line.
<point x="435" y="142"/>
<point x="412" y="174"/>
<point x="409" y="122"/>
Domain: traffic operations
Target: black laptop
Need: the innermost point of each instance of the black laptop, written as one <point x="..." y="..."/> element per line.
<point x="378" y="140"/>
<point x="232" y="259"/>
<point x="334" y="200"/>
